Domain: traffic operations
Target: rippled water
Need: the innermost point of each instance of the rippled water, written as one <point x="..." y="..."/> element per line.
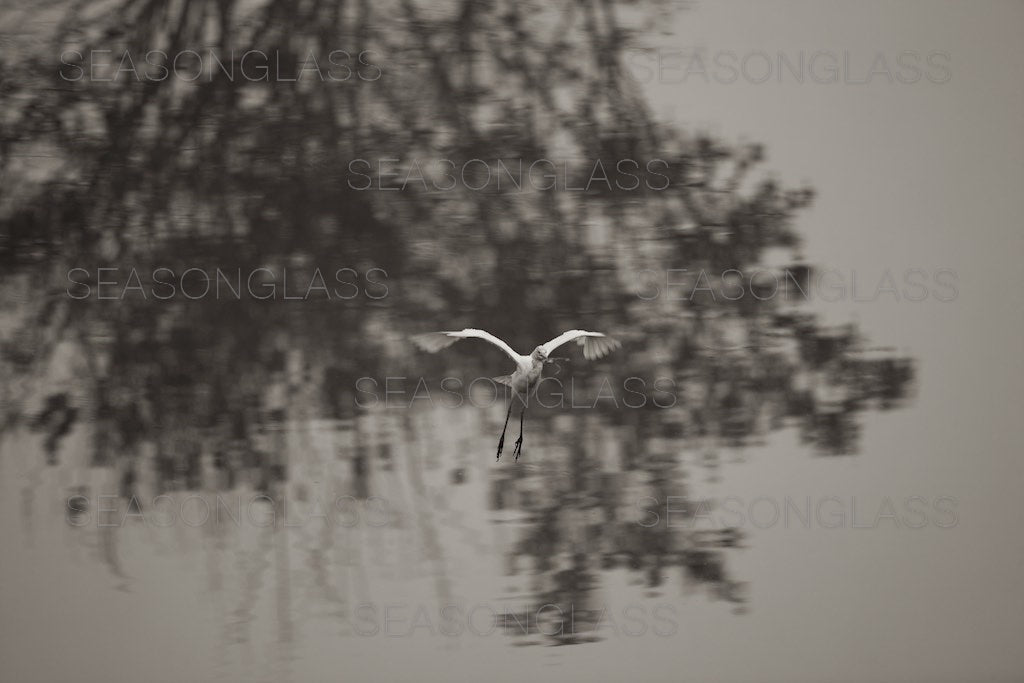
<point x="222" y="458"/>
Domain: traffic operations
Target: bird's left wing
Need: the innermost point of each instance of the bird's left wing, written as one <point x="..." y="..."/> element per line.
<point x="435" y="341"/>
<point x="595" y="345"/>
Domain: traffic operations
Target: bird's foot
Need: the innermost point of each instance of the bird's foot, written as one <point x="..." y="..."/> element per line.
<point x="555" y="362"/>
<point x="518" y="450"/>
<point x="501" y="444"/>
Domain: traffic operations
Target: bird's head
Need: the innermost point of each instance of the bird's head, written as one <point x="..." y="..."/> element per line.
<point x="539" y="354"/>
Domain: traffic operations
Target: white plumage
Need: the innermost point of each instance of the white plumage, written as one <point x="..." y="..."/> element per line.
<point x="527" y="375"/>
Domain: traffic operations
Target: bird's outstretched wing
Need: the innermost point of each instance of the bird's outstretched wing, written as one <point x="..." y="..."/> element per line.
<point x="435" y="341"/>
<point x="595" y="345"/>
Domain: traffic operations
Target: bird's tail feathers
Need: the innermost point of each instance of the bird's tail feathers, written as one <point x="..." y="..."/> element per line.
<point x="503" y="379"/>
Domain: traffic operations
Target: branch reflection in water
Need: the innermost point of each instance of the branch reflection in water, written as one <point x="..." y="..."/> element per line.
<point x="143" y="396"/>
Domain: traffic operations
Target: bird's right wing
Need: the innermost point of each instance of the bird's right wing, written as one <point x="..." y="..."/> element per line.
<point x="435" y="341"/>
<point x="595" y="345"/>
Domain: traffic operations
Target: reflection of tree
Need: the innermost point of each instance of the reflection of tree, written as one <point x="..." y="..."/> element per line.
<point x="243" y="174"/>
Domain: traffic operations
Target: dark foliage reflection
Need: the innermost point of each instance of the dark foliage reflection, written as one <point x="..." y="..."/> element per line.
<point x="227" y="395"/>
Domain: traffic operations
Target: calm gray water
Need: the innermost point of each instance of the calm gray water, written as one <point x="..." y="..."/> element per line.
<point x="223" y="459"/>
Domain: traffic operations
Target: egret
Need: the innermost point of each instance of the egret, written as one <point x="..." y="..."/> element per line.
<point x="524" y="380"/>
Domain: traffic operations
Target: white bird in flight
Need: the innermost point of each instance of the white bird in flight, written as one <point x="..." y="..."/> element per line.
<point x="527" y="375"/>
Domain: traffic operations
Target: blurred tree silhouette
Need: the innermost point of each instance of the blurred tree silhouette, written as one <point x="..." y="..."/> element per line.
<point x="236" y="171"/>
<point x="239" y="172"/>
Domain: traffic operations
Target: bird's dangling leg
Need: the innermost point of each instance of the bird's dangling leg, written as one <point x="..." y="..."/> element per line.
<point x="555" y="361"/>
<point x="501" y="441"/>
<point x="518" y="450"/>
